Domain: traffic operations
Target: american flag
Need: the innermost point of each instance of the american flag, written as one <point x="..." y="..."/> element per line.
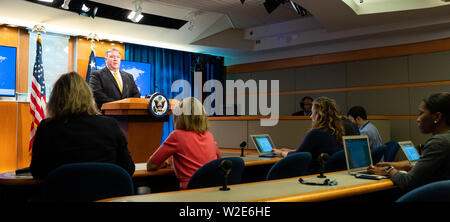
<point x="38" y="99"/>
<point x="91" y="66"/>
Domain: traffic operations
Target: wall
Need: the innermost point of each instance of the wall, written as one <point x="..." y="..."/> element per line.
<point x="391" y="86"/>
<point x="229" y="132"/>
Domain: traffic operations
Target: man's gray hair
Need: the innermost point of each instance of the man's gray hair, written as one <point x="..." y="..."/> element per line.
<point x="112" y="49"/>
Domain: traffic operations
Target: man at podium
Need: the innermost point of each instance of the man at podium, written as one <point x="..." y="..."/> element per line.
<point x="110" y="84"/>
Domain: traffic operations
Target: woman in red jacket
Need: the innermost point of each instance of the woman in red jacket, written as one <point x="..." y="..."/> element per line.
<point x="190" y="144"/>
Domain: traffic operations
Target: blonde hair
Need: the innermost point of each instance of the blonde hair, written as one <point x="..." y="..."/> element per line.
<point x="71" y="95"/>
<point x="328" y="117"/>
<point x="190" y="115"/>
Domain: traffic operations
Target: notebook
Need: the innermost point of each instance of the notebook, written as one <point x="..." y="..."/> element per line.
<point x="358" y="156"/>
<point x="410" y="151"/>
<point x="264" y="145"/>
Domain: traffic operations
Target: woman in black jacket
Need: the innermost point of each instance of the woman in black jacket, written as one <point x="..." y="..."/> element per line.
<point x="74" y="131"/>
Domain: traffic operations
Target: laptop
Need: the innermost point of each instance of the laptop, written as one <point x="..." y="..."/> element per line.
<point x="264" y="145"/>
<point x="358" y="156"/>
<point x="410" y="151"/>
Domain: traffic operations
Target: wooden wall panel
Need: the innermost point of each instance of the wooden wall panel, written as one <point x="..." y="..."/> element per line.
<point x="84" y="50"/>
<point x="23" y="135"/>
<point x="9" y="36"/>
<point x="8" y="129"/>
<point x="22" y="61"/>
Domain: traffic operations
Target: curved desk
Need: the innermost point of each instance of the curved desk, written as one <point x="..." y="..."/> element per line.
<point x="284" y="190"/>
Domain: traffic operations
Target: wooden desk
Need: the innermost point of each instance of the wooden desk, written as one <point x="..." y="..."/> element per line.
<point x="284" y="190"/>
<point x="249" y="160"/>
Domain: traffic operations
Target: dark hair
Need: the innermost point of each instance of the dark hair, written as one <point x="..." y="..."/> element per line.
<point x="439" y="102"/>
<point x="357" y="111"/>
<point x="302" y="102"/>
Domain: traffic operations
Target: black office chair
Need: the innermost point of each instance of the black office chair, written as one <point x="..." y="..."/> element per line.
<point x="336" y="162"/>
<point x="83" y="182"/>
<point x="433" y="192"/>
<point x="210" y="175"/>
<point x="293" y="165"/>
<point x="391" y="150"/>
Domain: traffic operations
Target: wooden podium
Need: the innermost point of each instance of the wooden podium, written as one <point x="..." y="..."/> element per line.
<point x="142" y="130"/>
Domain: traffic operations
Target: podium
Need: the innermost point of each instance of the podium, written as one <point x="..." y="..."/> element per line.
<point x="142" y="130"/>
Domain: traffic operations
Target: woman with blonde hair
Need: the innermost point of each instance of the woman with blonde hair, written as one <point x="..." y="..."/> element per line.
<point x="191" y="144"/>
<point x="74" y="131"/>
<point x="326" y="133"/>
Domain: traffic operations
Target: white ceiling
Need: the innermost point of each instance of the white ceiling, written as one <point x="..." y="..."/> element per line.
<point x="247" y="33"/>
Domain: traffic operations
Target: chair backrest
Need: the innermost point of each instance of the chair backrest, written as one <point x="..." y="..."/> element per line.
<point x="293" y="165"/>
<point x="391" y="151"/>
<point x="433" y="192"/>
<point x="378" y="153"/>
<point x="336" y="162"/>
<point x="81" y="182"/>
<point x="210" y="175"/>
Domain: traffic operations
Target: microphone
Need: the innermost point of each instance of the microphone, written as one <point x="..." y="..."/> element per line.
<point x="242" y="145"/>
<point x="323" y="158"/>
<point x="225" y="168"/>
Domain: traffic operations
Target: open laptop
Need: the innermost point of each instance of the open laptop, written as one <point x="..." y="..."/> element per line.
<point x="264" y="145"/>
<point x="410" y="151"/>
<point x="358" y="156"/>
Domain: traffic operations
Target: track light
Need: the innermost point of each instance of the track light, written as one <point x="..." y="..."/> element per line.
<point x="65" y="5"/>
<point x="298" y="9"/>
<point x="88" y="10"/>
<point x="271" y="5"/>
<point x="136" y="14"/>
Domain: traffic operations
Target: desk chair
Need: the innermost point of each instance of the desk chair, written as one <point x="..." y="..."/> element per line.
<point x="433" y="192"/>
<point x="391" y="150"/>
<point x="210" y="175"/>
<point x="81" y="182"/>
<point x="336" y="162"/>
<point x="293" y="165"/>
<point x="378" y="153"/>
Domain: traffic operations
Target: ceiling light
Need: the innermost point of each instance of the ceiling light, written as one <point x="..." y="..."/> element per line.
<point x="46" y="0"/>
<point x="136" y="14"/>
<point x="65" y="5"/>
<point x="88" y="10"/>
<point x="298" y="9"/>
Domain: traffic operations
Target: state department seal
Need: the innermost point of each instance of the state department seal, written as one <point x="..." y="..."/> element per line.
<point x="158" y="105"/>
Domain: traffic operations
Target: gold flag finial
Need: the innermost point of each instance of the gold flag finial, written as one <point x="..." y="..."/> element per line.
<point x="39" y="28"/>
<point x="93" y="37"/>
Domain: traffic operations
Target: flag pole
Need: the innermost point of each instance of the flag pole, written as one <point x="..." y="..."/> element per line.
<point x="92" y="66"/>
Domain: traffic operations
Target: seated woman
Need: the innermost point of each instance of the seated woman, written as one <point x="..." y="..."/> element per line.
<point x="75" y="132"/>
<point x="325" y="135"/>
<point x="190" y="144"/>
<point x="434" y="163"/>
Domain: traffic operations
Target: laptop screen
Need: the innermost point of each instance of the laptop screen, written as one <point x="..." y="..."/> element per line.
<point x="358" y="152"/>
<point x="263" y="144"/>
<point x="410" y="151"/>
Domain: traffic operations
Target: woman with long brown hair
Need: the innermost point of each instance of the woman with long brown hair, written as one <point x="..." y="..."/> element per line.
<point x="75" y="132"/>
<point x="326" y="132"/>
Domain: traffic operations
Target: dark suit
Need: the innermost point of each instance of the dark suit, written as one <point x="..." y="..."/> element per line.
<point x="79" y="139"/>
<point x="105" y="87"/>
